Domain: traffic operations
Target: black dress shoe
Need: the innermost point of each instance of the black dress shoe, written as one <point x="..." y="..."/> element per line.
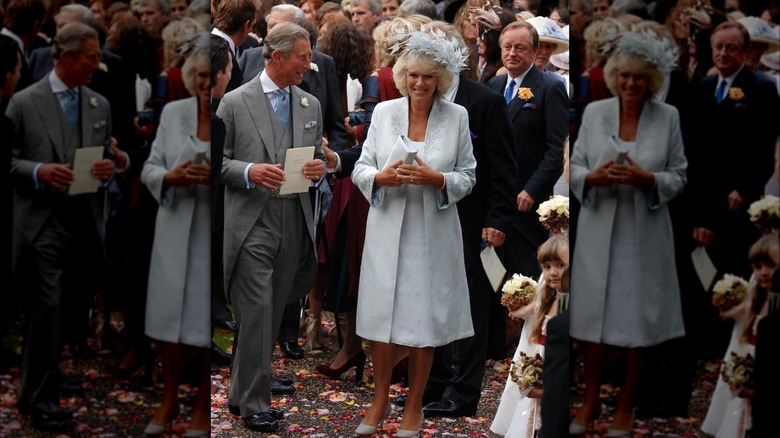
<point x="447" y="408"/>
<point x="262" y="422"/>
<point x="228" y="325"/>
<point x="282" y="379"/>
<point x="278" y="387"/>
<point x="291" y="349"/>
<point x="52" y="422"/>
<point x="400" y="401"/>
<point x="277" y="414"/>
<point x="220" y="357"/>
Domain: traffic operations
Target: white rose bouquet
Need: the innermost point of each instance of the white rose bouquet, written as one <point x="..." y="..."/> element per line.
<point x="518" y="291"/>
<point x="765" y="213"/>
<point x="728" y="292"/>
<point x="738" y="372"/>
<point x="554" y="213"/>
<point x="526" y="372"/>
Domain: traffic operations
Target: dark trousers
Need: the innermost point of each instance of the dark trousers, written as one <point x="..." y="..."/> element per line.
<point x="458" y="367"/>
<point x="59" y="266"/>
<point x="555" y="398"/>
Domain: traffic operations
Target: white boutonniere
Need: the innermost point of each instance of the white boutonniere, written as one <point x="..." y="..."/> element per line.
<point x="93" y="102"/>
<point x="103" y="67"/>
<point x="524" y="93"/>
<point x="304" y="102"/>
<point x="314" y="67"/>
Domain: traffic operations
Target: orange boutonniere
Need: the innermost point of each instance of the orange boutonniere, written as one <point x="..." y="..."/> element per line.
<point x="524" y="93"/>
<point x="735" y="93"/>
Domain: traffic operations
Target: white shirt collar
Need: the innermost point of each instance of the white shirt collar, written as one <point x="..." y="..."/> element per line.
<point x="227" y="38"/>
<point x="729" y="80"/>
<point x="57" y="86"/>
<point x="519" y="79"/>
<point x="13" y="36"/>
<point x="449" y="96"/>
<point x="268" y="85"/>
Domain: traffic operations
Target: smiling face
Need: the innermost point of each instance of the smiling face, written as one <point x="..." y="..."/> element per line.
<point x="292" y="66"/>
<point x="420" y="85"/>
<point x="632" y="85"/>
<point x="765" y="269"/>
<point x="517" y="51"/>
<point x="553" y="270"/>
<point x="77" y="68"/>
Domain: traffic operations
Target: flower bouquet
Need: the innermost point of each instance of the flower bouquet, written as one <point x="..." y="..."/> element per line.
<point x="765" y="213"/>
<point x="526" y="372"/>
<point x="554" y="213"/>
<point x="738" y="372"/>
<point x="518" y="291"/>
<point x="728" y="292"/>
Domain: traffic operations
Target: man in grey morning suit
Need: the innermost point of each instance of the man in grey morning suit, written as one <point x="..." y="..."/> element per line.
<point x="57" y="238"/>
<point x="269" y="238"/>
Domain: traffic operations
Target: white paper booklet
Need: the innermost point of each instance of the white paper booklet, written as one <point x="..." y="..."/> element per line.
<point x="83" y="181"/>
<point x="403" y="150"/>
<point x="295" y="181"/>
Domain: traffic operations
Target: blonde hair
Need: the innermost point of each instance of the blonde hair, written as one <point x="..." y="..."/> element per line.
<point x="598" y="35"/>
<point x="198" y="58"/>
<point x="176" y="36"/>
<point x="549" y="251"/>
<point x="637" y="65"/>
<point x="384" y="37"/>
<point x="424" y="63"/>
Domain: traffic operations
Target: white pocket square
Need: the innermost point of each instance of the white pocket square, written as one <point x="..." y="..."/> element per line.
<point x="310" y="125"/>
<point x="99" y="124"/>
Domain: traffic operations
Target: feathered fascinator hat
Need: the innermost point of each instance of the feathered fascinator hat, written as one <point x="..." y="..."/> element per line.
<point x="659" y="52"/>
<point x="195" y="41"/>
<point x="487" y="17"/>
<point x="432" y="42"/>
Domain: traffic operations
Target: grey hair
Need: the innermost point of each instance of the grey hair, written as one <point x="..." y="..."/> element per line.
<point x="75" y="8"/>
<point x="282" y="38"/>
<point x="163" y="5"/>
<point x="200" y="7"/>
<point x="585" y="5"/>
<point x="375" y="6"/>
<point x="419" y="7"/>
<point x="71" y="38"/>
<point x="286" y="7"/>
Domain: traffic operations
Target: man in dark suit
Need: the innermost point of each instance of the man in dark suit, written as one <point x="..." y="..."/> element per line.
<point x="22" y="21"/>
<point x="59" y="242"/>
<point x="10" y="72"/>
<point x="557" y="372"/>
<point x="233" y="20"/>
<point x="737" y="111"/>
<point x="538" y="109"/>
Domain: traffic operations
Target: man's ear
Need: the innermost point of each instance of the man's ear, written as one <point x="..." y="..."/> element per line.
<point x="247" y="27"/>
<point x="276" y="56"/>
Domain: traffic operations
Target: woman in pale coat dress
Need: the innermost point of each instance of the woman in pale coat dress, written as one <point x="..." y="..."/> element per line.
<point x="178" y="175"/>
<point x="413" y="289"/>
<point x="624" y="284"/>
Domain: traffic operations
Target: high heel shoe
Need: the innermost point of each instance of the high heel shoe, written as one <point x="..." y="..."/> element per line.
<point x="405" y="433"/>
<point x="358" y="361"/>
<point x="368" y="430"/>
<point x="153" y="429"/>
<point x="615" y="433"/>
<point x="579" y="429"/>
<point x="314" y="339"/>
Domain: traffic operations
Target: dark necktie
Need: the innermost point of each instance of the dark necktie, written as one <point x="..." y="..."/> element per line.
<point x="69" y="100"/>
<point x="510" y="92"/>
<point x="721" y="93"/>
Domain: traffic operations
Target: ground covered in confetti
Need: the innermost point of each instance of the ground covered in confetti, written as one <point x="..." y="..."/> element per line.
<point x="321" y="407"/>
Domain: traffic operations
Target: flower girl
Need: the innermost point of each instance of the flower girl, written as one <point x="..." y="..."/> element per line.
<point x="518" y="414"/>
<point x="729" y="411"/>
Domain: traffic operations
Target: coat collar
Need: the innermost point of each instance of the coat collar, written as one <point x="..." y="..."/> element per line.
<point x="256" y="104"/>
<point x="532" y="80"/>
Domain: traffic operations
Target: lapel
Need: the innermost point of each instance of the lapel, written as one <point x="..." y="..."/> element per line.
<point x="85" y="118"/>
<point x="531" y="80"/>
<point x="257" y="106"/>
<point x="462" y="96"/>
<point x="49" y="109"/>
<point x="742" y="79"/>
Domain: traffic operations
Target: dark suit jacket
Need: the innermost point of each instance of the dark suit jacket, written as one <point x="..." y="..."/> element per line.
<point x="555" y="398"/>
<point x="765" y="378"/>
<point x="217" y="202"/>
<point x="540" y="126"/>
<point x="323" y="84"/>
